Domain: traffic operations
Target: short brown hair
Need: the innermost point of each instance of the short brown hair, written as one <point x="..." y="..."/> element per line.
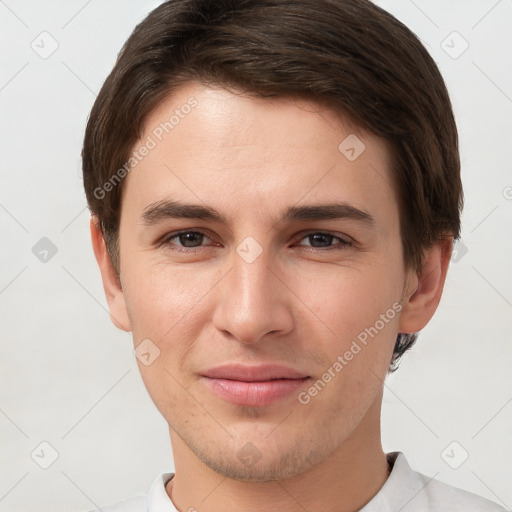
<point x="349" y="54"/>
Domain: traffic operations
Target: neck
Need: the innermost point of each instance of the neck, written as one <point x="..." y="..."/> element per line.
<point x="343" y="482"/>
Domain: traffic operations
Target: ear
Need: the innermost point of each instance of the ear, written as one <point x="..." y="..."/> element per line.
<point x="424" y="288"/>
<point x="111" y="285"/>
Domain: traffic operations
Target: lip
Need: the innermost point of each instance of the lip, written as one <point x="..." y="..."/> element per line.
<point x="248" y="373"/>
<point x="254" y="386"/>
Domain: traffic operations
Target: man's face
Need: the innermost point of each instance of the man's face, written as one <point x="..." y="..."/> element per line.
<point x="269" y="283"/>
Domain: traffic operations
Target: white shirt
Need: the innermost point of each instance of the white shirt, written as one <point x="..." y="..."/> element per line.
<point x="405" y="490"/>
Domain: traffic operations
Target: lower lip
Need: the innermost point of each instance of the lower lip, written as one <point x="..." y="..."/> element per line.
<point x="253" y="393"/>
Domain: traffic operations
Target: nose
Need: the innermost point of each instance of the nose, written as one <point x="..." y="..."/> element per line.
<point x="253" y="300"/>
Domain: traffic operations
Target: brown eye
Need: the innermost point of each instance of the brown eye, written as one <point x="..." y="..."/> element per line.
<point x="185" y="239"/>
<point x="319" y="240"/>
<point x="190" y="239"/>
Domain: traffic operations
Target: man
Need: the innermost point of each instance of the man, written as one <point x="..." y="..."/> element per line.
<point x="275" y="189"/>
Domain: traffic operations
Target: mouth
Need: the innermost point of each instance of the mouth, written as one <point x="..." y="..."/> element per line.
<point x="253" y="386"/>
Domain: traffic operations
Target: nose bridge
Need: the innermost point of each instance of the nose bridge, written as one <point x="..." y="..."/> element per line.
<point x="252" y="274"/>
<point x="253" y="303"/>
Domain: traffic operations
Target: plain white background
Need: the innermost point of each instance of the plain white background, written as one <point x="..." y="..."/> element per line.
<point x="69" y="377"/>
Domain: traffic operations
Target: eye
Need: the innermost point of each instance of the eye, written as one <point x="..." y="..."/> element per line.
<point x="185" y="239"/>
<point x="319" y="240"/>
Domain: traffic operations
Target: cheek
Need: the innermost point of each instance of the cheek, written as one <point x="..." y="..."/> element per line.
<point x="348" y="300"/>
<point x="164" y="306"/>
<point x="161" y="298"/>
<point x="361" y="309"/>
<point x="357" y="355"/>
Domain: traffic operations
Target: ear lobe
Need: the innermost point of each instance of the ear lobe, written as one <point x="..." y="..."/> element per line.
<point x="111" y="285"/>
<point x="419" y="305"/>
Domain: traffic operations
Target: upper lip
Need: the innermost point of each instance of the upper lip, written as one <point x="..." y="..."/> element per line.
<point x="251" y="373"/>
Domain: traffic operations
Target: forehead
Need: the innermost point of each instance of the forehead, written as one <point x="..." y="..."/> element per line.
<point x="233" y="151"/>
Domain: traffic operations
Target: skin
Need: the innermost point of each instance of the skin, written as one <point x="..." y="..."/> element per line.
<point x="298" y="303"/>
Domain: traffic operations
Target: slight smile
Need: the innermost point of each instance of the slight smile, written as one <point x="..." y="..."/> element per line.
<point x="253" y="385"/>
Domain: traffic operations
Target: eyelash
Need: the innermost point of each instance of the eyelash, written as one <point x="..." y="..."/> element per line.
<point x="343" y="243"/>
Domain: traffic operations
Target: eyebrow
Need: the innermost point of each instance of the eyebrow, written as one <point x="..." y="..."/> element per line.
<point x="169" y="209"/>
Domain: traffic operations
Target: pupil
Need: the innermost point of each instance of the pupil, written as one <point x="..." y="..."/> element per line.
<point x="185" y="238"/>
<point x="319" y="237"/>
